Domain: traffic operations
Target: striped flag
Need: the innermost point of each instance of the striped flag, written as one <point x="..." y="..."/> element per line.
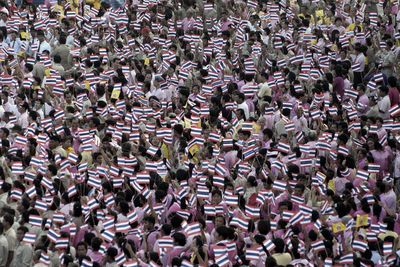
<point x="29" y="238"/>
<point x="363" y="175"/>
<point x="360" y="245"/>
<point x="279" y="185"/>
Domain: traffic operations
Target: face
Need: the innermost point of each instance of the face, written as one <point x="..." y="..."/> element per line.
<point x="219" y="222"/>
<point x="68" y="98"/>
<point x="216" y="199"/>
<point x="298" y="192"/>
<point x="75" y="124"/>
<point x="81" y="251"/>
<point x="147" y="225"/>
<point x="20" y="235"/>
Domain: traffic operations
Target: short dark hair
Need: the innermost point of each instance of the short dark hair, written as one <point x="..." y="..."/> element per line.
<point x="179" y="238"/>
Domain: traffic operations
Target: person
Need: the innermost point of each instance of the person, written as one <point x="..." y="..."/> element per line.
<point x="3" y="247"/>
<point x="22" y="255"/>
<point x="281" y="257"/>
<point x="9" y="232"/>
<point x="384" y="102"/>
<point x="109" y="259"/>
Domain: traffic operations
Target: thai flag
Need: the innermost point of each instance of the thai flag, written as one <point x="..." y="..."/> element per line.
<point x="306" y="162"/>
<point x="109" y="200"/>
<point x="316" y="114"/>
<point x="120" y="258"/>
<point x="93" y="204"/>
<point x="165" y="242"/>
<point x="29" y="238"/>
<point x="373" y="167"/>
<point x="62" y="243"/>
<point x="289" y="127"/>
<point x="132" y="263"/>
<point x="318" y="245"/>
<point x="109" y="223"/>
<point x="252" y="254"/>
<point x="241" y="223"/>
<point x="21" y="140"/>
<point x="44" y="258"/>
<point x="296" y="59"/>
<point x="35" y="220"/>
<point x="343" y="150"/>
<point x="306" y="210"/>
<point x="328" y="262"/>
<point x="375" y="228"/>
<point x="394" y="111"/>
<point x="283" y="147"/>
<point x="122" y="227"/>
<point x="58" y="218"/>
<point x="279" y="185"/>
<point x="308" y="37"/>
<point x="17" y="168"/>
<point x="353" y="94"/>
<point x="203" y="192"/>
<point x="209" y="210"/>
<point x="387" y="248"/>
<point x="382" y="227"/>
<point x="41" y="205"/>
<point x="371" y="236"/>
<point x="53" y="235"/>
<point x="222" y="260"/>
<point x="371" y="85"/>
<point x="297" y="199"/>
<point x="36" y="162"/>
<point x="296" y="218"/>
<point x="220" y="169"/>
<point x="347" y="258"/>
<point x="108" y="235"/>
<point x="360" y="245"/>
<point x="193" y="229"/>
<point x="378" y="77"/>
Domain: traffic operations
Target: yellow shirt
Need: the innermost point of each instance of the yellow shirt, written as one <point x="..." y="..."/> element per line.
<point x="69" y="150"/>
<point x="282" y="258"/>
<point x="96" y="3"/>
<point x="311" y="20"/>
<point x="61" y="9"/>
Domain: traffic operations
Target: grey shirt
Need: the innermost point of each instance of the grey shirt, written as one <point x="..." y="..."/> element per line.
<point x="22" y="255"/>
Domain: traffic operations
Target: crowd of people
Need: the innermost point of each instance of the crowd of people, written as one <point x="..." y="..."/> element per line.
<point x="199" y="133"/>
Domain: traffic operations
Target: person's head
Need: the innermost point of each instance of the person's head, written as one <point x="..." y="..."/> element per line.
<point x="81" y="249"/>
<point x="21" y="231"/>
<point x="63" y="39"/>
<point x="148" y="222"/>
<point x="216" y="197"/>
<point x="279" y="245"/>
<point x="57" y="59"/>
<point x="8" y="221"/>
<point x="219" y="220"/>
<point x="179" y="239"/>
<point x="299" y="189"/>
<point x="264" y="227"/>
<point x="383" y="91"/>
<point x="389" y="223"/>
<point x="392" y="81"/>
<point x="40" y="35"/>
<point x="111" y="254"/>
<point x="96" y="243"/>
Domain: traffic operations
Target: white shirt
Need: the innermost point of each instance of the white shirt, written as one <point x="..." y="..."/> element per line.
<point x="245" y="108"/>
<point x="3" y="250"/>
<point x="384" y="106"/>
<point x="44" y="46"/>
